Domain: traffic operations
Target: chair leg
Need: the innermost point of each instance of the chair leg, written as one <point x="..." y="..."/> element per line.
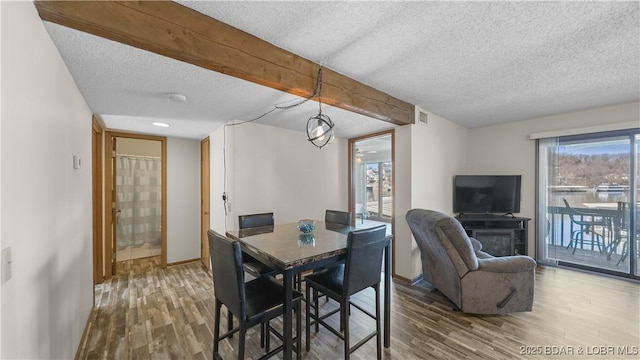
<point x="574" y="241"/>
<point x="601" y="244"/>
<point x="241" y="340"/>
<point x="315" y="304"/>
<point x="623" y="254"/>
<point x="264" y="327"/>
<point x="216" y="328"/>
<point x="344" y="324"/>
<point x="613" y="245"/>
<point x="308" y="319"/>
<point x="229" y="322"/>
<point x="378" y="329"/>
<point x="579" y="238"/>
<point x="264" y="333"/>
<point x="341" y="318"/>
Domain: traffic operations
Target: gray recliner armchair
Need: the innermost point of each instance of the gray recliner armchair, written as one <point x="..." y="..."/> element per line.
<point x="474" y="280"/>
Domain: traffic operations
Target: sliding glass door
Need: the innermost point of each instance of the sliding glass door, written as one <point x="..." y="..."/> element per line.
<point x="587" y="201"/>
<point x="634" y="212"/>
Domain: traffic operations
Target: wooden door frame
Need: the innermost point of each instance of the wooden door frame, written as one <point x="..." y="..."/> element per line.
<point x="351" y="184"/>
<point x="205" y="200"/>
<point x="110" y="192"/>
<point x="97" y="144"/>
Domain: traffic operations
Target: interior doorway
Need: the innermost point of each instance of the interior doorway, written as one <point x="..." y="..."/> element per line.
<point x="371" y="181"/>
<point x="136" y="196"/>
<point x="205" y="218"/>
<point x="97" y="145"/>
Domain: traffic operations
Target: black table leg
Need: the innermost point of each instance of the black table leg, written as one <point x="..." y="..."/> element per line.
<point x="287" y="321"/>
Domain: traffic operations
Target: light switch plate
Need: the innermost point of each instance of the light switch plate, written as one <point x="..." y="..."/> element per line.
<point x="77" y="162"/>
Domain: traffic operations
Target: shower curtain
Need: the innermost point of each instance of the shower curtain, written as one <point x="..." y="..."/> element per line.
<point x="139" y="197"/>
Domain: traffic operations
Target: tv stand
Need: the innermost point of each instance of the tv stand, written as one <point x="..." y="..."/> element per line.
<point x="500" y="235"/>
<point x="485" y="216"/>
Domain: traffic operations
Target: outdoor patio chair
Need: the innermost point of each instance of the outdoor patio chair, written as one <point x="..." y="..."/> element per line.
<point x="587" y="222"/>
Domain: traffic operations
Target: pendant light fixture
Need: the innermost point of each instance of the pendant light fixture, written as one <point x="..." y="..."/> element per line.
<point x="320" y="127"/>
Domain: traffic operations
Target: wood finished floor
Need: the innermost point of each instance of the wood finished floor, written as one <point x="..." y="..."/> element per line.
<point x="146" y="312"/>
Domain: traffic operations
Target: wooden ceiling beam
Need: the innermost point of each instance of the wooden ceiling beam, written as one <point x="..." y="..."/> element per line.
<point x="170" y="29"/>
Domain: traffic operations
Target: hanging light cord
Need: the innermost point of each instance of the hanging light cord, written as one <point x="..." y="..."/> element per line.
<point x="316" y="91"/>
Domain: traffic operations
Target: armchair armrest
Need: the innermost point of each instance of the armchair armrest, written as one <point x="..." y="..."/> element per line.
<point x="477" y="245"/>
<point x="507" y="264"/>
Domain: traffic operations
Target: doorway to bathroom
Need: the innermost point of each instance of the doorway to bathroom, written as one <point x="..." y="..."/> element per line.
<point x="136" y="176"/>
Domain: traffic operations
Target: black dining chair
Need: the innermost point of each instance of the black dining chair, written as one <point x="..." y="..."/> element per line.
<point x="586" y="221"/>
<point x="255" y="302"/>
<point x="360" y="270"/>
<point x="255" y="220"/>
<point x="250" y="264"/>
<point x="337" y="217"/>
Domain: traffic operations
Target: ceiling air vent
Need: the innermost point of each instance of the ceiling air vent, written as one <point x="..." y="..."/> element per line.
<point x="423" y="119"/>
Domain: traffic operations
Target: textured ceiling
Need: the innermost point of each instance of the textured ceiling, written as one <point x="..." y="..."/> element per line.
<point x="474" y="63"/>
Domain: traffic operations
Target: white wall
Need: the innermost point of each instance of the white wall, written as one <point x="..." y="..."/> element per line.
<point x="183" y="200"/>
<point x="46" y="203"/>
<point x="274" y="169"/>
<point x="0" y="183"/>
<point x="427" y="158"/>
<point x="507" y="149"/>
<point x="403" y="240"/>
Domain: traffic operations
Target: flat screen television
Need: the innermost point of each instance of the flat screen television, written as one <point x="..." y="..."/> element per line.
<point x="486" y="194"/>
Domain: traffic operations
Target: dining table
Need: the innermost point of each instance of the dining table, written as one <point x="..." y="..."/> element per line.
<point x="284" y="248"/>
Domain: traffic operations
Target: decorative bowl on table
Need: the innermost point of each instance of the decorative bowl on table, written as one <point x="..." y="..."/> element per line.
<point x="306" y="226"/>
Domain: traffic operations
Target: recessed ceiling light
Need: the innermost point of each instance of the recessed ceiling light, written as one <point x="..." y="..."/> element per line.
<point x="176" y="97"/>
<point x="160" y="124"/>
